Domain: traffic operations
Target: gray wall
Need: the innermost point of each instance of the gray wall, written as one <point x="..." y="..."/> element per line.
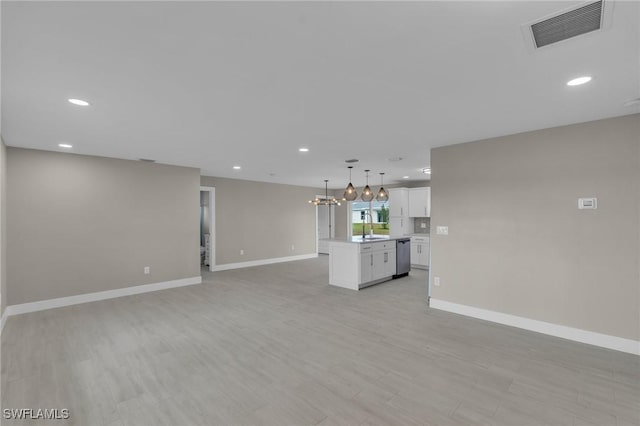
<point x="3" y="205"/>
<point x="342" y="214"/>
<point x="3" y="226"/>
<point x="81" y="224"/>
<point x="263" y="219"/>
<point x="517" y="243"/>
<point x="342" y="218"/>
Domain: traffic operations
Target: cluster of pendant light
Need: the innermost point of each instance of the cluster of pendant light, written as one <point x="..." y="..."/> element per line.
<point x="350" y="193"/>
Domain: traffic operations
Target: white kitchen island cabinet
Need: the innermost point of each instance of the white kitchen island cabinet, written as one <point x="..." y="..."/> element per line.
<point x="356" y="265"/>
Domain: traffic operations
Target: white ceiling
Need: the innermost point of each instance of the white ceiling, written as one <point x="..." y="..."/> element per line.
<point x="215" y="84"/>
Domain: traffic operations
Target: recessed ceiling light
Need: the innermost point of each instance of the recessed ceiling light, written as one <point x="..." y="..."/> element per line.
<point x="578" y="81"/>
<point x="236" y="167"/>
<point x="405" y="177"/>
<point x="303" y="149"/>
<point x="79" y="102"/>
<point x="65" y="145"/>
<point x="426" y="170"/>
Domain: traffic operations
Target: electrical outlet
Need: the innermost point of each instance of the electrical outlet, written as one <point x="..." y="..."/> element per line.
<point x="147" y="269"/>
<point x="241" y="252"/>
<point x="436" y="281"/>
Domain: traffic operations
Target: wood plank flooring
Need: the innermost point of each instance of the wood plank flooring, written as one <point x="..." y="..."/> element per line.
<point x="276" y="345"/>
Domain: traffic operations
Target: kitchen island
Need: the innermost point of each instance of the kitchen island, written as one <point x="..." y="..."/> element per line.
<point x="359" y="262"/>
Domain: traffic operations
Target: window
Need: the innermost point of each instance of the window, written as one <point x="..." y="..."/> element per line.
<point x="380" y="217"/>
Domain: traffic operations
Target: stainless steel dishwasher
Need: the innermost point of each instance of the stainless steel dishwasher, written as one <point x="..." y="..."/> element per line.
<point x="403" y="257"/>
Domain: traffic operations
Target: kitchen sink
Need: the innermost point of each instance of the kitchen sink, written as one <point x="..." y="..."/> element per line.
<point x="360" y="239"/>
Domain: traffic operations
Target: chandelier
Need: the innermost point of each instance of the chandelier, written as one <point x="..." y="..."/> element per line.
<point x="326" y="201"/>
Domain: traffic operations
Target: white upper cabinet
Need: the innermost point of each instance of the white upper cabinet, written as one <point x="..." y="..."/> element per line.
<point x="398" y="202"/>
<point x="420" y="202"/>
<point x="399" y="226"/>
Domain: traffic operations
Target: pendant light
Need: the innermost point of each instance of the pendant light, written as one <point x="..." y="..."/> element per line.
<point x="367" y="193"/>
<point x="382" y="195"/>
<point x="350" y="193"/>
<point x="326" y="201"/>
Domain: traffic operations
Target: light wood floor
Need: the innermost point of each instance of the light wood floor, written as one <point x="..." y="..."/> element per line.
<point x="276" y="345"/>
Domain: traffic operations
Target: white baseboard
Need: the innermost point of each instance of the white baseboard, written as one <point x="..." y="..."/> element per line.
<point x="260" y="262"/>
<point x="100" y="295"/>
<point x="570" y="333"/>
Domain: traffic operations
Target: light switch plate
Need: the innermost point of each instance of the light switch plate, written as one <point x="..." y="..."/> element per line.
<point x="442" y="230"/>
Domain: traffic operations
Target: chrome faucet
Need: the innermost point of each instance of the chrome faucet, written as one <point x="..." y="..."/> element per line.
<point x="363" y="234"/>
<point x="367" y="212"/>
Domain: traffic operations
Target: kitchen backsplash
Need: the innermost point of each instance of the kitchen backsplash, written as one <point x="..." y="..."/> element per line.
<point x="417" y="225"/>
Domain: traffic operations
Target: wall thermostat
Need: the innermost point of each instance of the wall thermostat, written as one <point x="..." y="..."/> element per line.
<point x="587" y="203"/>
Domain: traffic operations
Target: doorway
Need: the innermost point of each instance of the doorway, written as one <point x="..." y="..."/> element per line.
<point x="325" y="222"/>
<point x="207" y="227"/>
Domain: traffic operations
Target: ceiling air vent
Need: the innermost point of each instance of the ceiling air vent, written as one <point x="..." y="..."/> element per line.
<point x="569" y="24"/>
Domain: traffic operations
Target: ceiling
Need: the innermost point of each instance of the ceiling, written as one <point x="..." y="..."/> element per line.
<point x="217" y="84"/>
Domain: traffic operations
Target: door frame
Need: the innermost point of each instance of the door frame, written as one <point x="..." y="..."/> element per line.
<point x="212" y="224"/>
